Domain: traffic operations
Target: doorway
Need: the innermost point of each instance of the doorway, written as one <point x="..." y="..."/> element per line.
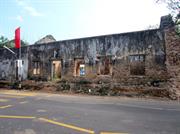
<point x="56" y="69"/>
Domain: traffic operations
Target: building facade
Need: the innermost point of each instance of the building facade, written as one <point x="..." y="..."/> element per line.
<point x="126" y="59"/>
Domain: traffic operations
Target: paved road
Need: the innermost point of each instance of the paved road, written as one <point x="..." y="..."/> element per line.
<point x="41" y="113"/>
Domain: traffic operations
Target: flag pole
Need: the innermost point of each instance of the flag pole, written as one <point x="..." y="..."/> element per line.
<point x="20" y="71"/>
<point x="19" y="61"/>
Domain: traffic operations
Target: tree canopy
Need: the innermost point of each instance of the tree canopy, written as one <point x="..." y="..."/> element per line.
<point x="174" y="7"/>
<point x="10" y="43"/>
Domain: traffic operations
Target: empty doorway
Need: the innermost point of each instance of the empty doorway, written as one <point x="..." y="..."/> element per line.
<point x="56" y="69"/>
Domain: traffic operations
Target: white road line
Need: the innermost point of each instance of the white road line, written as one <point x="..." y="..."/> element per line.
<point x="145" y="107"/>
<point x="23" y="102"/>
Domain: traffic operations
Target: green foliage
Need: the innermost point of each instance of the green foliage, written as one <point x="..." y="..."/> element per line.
<point x="84" y="81"/>
<point x="3" y="39"/>
<point x="103" y="90"/>
<point x="10" y="43"/>
<point x="173" y="6"/>
<point x="24" y="43"/>
<point x="177" y="24"/>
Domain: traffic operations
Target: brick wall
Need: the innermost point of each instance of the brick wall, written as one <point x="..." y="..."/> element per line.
<point x="173" y="60"/>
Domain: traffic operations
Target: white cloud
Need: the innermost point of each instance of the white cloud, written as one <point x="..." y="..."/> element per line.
<point x="31" y="10"/>
<point x="19" y="18"/>
<point x="114" y="16"/>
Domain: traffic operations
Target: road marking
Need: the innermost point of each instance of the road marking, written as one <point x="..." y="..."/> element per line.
<point x="145" y="107"/>
<point x="138" y="106"/>
<point x="172" y="109"/>
<point x="4" y="100"/>
<point x="23" y="102"/>
<point x="18" y="93"/>
<point x="2" y="107"/>
<point x="41" y="110"/>
<point x="17" y="117"/>
<point x="111" y="133"/>
<point x="11" y="96"/>
<point x="67" y="126"/>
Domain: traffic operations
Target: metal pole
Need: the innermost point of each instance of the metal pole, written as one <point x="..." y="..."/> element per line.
<point x="20" y="66"/>
<point x="9" y="50"/>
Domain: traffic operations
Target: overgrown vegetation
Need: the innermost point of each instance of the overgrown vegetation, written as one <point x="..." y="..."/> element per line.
<point x="63" y="85"/>
<point x="177" y="22"/>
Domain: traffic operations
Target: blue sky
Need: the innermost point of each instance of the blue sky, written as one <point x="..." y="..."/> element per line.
<point x="67" y="19"/>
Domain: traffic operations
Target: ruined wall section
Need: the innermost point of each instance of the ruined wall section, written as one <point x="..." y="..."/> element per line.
<point x="149" y="43"/>
<point x="7" y="63"/>
<point x="113" y="49"/>
<point x="173" y="60"/>
<point x="117" y="48"/>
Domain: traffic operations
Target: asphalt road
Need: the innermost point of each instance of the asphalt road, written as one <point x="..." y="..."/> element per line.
<point x="42" y="113"/>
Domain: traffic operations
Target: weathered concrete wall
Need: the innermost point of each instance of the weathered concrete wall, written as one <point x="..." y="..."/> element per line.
<point x="115" y="49"/>
<point x="7" y="64"/>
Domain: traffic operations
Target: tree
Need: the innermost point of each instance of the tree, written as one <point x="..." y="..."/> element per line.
<point x="174" y="7"/>
<point x="24" y="43"/>
<point x="3" y="39"/>
<point x="10" y="43"/>
<point x="177" y="22"/>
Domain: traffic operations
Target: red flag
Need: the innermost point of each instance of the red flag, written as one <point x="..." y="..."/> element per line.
<point x="17" y="38"/>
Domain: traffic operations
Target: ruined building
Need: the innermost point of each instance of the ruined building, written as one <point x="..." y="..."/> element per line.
<point x="144" y="60"/>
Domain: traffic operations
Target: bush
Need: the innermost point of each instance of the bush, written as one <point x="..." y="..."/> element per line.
<point x="103" y="90"/>
<point x="64" y="85"/>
